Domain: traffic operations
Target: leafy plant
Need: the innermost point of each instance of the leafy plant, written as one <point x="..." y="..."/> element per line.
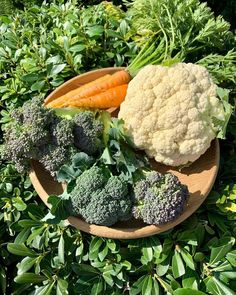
<point x="39" y="49"/>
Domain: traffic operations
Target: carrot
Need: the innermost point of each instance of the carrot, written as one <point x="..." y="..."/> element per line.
<point x="117" y="79"/>
<point x="60" y="100"/>
<point x="112" y="97"/>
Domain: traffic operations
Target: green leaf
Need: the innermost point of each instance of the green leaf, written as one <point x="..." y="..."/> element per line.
<point x="199" y="256"/>
<point x="165" y="285"/>
<point x="3" y="280"/>
<point x="231" y="257"/>
<point x="147" y="253"/>
<point x="66" y="173"/>
<point x="162" y="268"/>
<point x="45" y="290"/>
<point x="147" y="285"/>
<point x="223" y="267"/>
<point x="21" y="250"/>
<point x="37" y="86"/>
<point x="102" y="254"/>
<point x="25" y="265"/>
<point x="155" y="288"/>
<point x="19" y="204"/>
<point x="188" y="291"/>
<point x="177" y="265"/>
<point x="29" y="223"/>
<point x="111" y="245"/>
<point x="27" y="278"/>
<point x="85" y="269"/>
<point x="106" y="157"/>
<point x="216" y="287"/>
<point x="22" y="236"/>
<point x="77" y="48"/>
<point x="190" y="279"/>
<point x="221" y="125"/>
<point x="30" y="77"/>
<point x="107" y="275"/>
<point x="97" y="287"/>
<point x="82" y="161"/>
<point x="56" y="69"/>
<point x="229" y="274"/>
<point x="35" y="232"/>
<point x="62" y="287"/>
<point x="217" y="253"/>
<point x="96" y="30"/>
<point x="137" y="286"/>
<point x="61" y="250"/>
<point x="59" y="210"/>
<point x="187" y="258"/>
<point x="35" y="212"/>
<point x="94" y="247"/>
<point x="188" y="236"/>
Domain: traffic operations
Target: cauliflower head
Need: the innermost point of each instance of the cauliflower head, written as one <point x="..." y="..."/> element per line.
<point x="170" y="111"/>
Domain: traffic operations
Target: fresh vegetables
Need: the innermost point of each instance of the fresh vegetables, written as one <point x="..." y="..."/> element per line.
<point x="81" y="91"/>
<point x="159" y="198"/>
<point x="100" y="198"/>
<point x="40" y="48"/>
<point x="112" y="97"/>
<point x="102" y="194"/>
<point x="118" y="185"/>
<point x="97" y="93"/>
<point x="173" y="113"/>
<point x="37" y="133"/>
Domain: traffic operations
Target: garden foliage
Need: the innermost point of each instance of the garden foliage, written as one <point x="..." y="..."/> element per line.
<point x="40" y="48"/>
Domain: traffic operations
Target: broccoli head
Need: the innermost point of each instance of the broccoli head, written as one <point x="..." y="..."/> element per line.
<point x="35" y="132"/>
<point x="100" y="198"/>
<point x="26" y="133"/>
<point x="87" y="131"/>
<point x="159" y="198"/>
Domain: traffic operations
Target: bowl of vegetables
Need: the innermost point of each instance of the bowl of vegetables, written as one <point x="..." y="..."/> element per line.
<point x="182" y="190"/>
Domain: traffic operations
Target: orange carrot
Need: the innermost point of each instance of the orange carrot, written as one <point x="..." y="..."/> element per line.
<point x="112" y="97"/>
<point x="58" y="102"/>
<point x="117" y="79"/>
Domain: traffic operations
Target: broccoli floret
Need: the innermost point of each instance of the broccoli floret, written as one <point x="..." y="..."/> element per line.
<point x="53" y="157"/>
<point x="26" y="133"/>
<point x="159" y="198"/>
<point x="87" y="131"/>
<point x="61" y="131"/>
<point x="89" y="181"/>
<point x="116" y="187"/>
<point x="100" y="198"/>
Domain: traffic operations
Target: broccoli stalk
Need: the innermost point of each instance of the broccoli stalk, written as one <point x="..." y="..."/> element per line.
<point x="159" y="198"/>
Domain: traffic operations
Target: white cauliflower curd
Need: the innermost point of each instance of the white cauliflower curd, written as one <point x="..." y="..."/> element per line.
<point x="169" y="111"/>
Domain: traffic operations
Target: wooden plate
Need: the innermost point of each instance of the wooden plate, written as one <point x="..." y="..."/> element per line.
<point x="199" y="178"/>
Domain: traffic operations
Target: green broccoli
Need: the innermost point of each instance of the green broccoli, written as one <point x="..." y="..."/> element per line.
<point x="36" y="132"/>
<point x="87" y="131"/>
<point x="26" y="133"/>
<point x="100" y="198"/>
<point x="159" y="198"/>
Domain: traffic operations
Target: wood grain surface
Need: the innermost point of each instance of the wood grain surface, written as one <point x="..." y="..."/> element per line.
<point x="199" y="177"/>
